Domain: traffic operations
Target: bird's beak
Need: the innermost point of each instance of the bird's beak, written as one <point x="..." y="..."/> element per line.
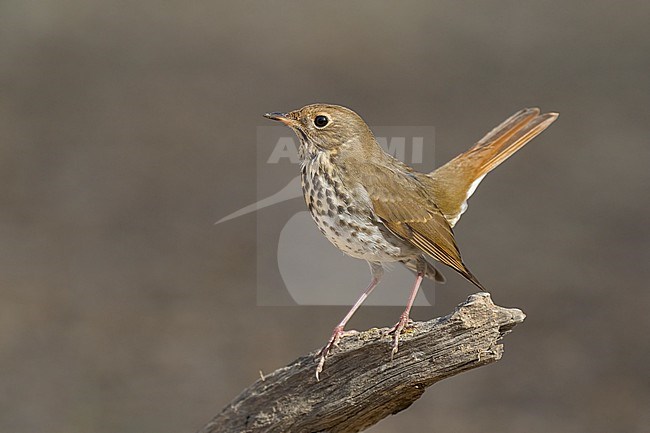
<point x="280" y="117"/>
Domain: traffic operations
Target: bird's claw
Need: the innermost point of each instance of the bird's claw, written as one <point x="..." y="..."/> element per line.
<point x="404" y="322"/>
<point x="333" y="342"/>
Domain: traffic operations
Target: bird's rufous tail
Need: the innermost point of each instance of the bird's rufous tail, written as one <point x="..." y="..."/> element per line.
<point x="455" y="182"/>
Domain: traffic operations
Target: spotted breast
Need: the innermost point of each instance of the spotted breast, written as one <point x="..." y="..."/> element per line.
<point x="345" y="216"/>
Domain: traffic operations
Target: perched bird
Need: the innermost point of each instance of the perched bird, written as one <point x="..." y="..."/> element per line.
<point x="374" y="207"/>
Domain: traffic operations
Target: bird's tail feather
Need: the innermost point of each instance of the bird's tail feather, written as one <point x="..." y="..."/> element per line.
<point x="456" y="181"/>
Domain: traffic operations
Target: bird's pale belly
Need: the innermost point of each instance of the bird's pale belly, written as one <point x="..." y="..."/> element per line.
<point x="350" y="227"/>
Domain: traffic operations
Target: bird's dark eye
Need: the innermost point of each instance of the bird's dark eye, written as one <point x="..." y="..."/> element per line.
<point x="320" y="121"/>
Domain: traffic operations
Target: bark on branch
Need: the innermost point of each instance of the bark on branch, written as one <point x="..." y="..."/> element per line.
<point x="360" y="384"/>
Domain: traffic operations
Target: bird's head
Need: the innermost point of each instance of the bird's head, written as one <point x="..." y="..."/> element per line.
<point x="330" y="128"/>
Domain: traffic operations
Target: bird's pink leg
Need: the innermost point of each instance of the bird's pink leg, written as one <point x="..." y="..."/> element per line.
<point x="338" y="331"/>
<point x="404" y="318"/>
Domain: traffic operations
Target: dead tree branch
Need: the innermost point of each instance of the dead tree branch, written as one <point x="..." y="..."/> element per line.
<point x="360" y="384"/>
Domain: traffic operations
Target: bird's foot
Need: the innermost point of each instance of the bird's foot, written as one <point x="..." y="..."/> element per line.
<point x="333" y="342"/>
<point x="404" y="322"/>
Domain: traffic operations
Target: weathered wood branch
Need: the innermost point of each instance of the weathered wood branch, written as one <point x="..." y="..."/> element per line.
<point x="360" y="384"/>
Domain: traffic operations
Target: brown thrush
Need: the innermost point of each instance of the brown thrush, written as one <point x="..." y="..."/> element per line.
<point x="374" y="207"/>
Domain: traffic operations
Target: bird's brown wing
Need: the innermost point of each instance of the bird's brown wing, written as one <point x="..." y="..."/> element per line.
<point x="401" y="201"/>
<point x="454" y="182"/>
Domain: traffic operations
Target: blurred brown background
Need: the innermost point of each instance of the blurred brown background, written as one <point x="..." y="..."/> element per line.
<point x="128" y="128"/>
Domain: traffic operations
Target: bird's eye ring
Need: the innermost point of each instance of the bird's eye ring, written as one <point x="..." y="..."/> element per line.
<point x="321" y="121"/>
